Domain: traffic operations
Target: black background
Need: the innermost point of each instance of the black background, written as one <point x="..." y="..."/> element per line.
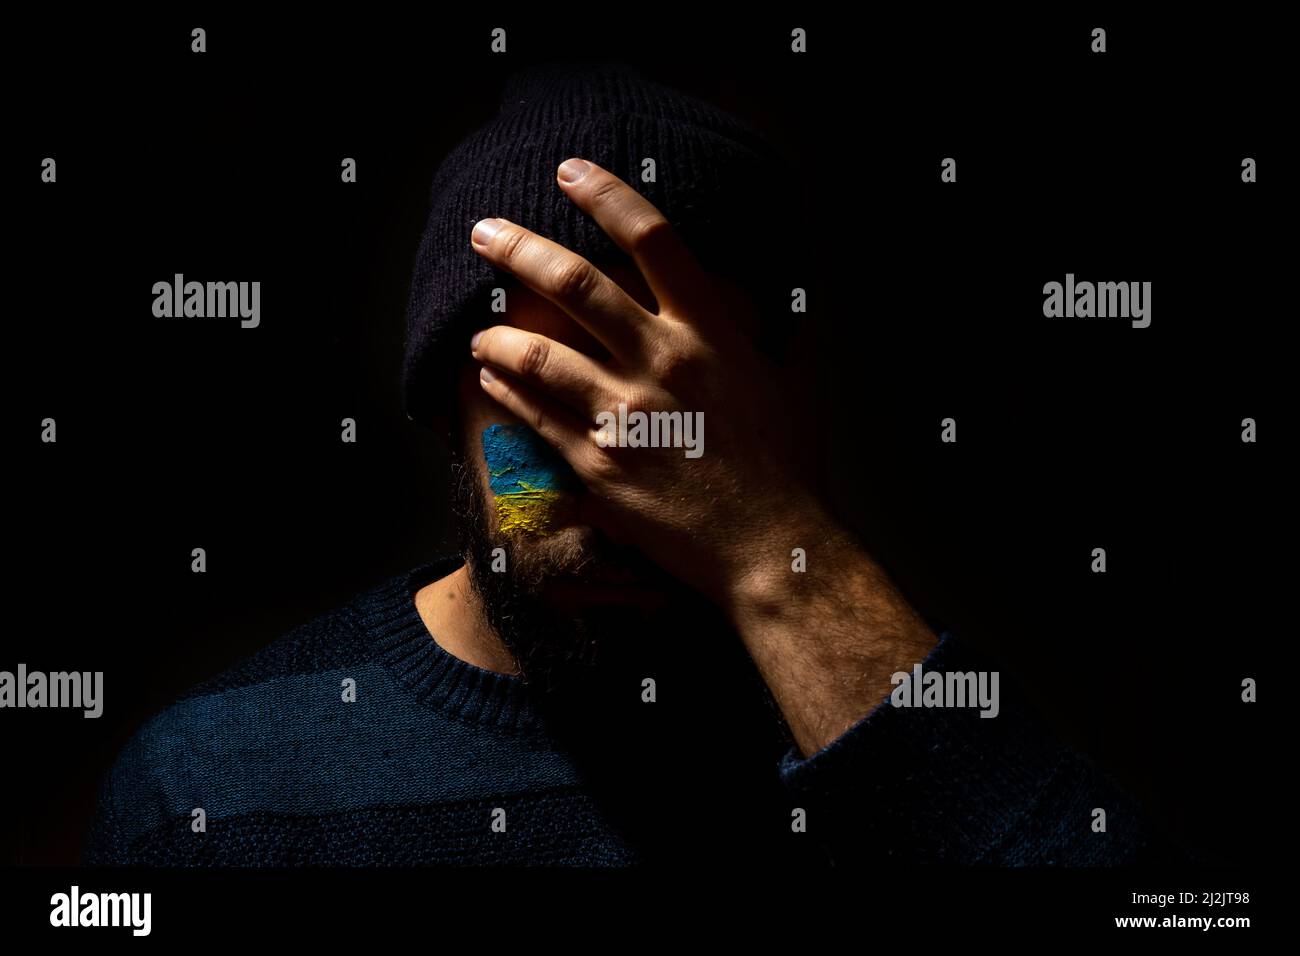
<point x="1073" y="434"/>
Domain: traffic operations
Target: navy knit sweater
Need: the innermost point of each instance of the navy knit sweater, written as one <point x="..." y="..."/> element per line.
<point x="434" y="751"/>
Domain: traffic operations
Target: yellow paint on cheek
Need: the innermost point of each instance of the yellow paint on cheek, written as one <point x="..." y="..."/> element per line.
<point x="533" y="486"/>
<point x="533" y="511"/>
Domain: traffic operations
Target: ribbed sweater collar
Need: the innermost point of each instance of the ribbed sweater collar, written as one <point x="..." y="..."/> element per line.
<point x="436" y="678"/>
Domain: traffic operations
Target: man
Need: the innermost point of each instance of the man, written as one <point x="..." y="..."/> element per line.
<point x="658" y="643"/>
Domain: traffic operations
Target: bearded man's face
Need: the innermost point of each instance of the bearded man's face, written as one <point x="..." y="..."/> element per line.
<point x="558" y="592"/>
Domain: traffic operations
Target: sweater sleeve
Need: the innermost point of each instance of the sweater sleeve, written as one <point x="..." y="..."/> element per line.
<point x="945" y="785"/>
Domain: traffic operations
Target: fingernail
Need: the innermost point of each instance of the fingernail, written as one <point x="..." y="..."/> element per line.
<point x="473" y="343"/>
<point x="485" y="375"/>
<point x="571" y="170"/>
<point x="484" y="230"/>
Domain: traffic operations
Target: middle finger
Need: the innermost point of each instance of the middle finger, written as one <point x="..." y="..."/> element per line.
<point x="575" y="285"/>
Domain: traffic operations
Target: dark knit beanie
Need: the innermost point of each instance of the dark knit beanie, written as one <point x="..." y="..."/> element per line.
<point x="716" y="180"/>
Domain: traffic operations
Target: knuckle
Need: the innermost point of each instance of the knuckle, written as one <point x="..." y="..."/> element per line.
<point x="513" y="241"/>
<point x="539" y="420"/>
<point x="533" y="359"/>
<point x="606" y="191"/>
<point x="643" y="396"/>
<point x="673" y="366"/>
<point x="647" y="231"/>
<point x="599" y="465"/>
<point x="573" y="279"/>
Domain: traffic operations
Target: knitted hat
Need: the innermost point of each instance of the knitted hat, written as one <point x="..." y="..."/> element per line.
<point x="715" y="180"/>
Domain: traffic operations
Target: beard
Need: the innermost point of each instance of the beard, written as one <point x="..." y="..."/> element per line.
<point x="558" y="647"/>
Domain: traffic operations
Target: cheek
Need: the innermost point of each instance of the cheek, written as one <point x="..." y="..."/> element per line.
<point x="532" y="486"/>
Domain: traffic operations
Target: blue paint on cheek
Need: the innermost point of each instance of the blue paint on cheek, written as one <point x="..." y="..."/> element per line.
<point x="519" y="460"/>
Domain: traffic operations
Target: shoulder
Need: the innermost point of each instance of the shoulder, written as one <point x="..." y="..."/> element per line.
<point x="337" y="638"/>
<point x="220" y="744"/>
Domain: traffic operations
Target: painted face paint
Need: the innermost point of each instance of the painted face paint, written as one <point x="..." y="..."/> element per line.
<point x="531" y="483"/>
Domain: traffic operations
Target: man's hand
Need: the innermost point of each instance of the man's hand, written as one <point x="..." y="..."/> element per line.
<point x="703" y="519"/>
<point x="727" y="521"/>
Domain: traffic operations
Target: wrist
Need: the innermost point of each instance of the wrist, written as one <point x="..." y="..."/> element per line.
<point x="770" y="578"/>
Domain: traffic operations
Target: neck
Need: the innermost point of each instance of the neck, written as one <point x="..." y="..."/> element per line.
<point x="453" y="614"/>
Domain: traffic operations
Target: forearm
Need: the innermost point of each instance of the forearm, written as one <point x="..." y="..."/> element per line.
<point x="827" y="639"/>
